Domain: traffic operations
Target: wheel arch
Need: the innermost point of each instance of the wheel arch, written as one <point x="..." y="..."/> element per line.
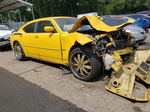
<point x="13" y="44"/>
<point x="77" y="44"/>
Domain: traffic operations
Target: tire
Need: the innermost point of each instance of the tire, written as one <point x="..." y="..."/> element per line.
<point x="84" y="64"/>
<point x="19" y="53"/>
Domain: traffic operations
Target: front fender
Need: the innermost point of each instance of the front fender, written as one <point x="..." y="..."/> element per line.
<point x="82" y="39"/>
<point x="69" y="41"/>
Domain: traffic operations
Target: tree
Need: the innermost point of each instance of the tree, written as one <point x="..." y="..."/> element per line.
<point x="47" y="8"/>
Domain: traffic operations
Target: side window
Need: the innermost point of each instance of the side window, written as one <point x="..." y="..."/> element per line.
<point x="29" y="28"/>
<point x="42" y="24"/>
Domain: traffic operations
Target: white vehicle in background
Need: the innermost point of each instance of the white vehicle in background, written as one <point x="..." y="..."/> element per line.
<point x="5" y="33"/>
<point x="87" y="14"/>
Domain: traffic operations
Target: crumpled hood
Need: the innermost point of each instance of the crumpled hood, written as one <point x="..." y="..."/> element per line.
<point x="4" y="33"/>
<point x="98" y="23"/>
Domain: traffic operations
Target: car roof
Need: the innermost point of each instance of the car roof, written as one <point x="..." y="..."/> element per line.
<point x="46" y="18"/>
<point x="138" y="14"/>
<point x="143" y="15"/>
<point x="4" y="25"/>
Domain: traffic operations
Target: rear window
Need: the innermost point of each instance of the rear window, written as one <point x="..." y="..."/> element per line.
<point x="29" y="28"/>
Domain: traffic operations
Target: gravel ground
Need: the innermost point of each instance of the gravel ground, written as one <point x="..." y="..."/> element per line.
<point x="35" y="86"/>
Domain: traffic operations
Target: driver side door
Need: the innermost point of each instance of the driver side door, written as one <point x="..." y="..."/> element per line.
<point x="48" y="45"/>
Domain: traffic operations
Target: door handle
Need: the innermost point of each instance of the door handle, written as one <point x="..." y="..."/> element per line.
<point x="36" y="37"/>
<point x="50" y="35"/>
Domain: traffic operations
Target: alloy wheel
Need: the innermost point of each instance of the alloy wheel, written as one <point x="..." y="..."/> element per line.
<point x="81" y="65"/>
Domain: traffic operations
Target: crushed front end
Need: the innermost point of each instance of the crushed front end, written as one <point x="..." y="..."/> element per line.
<point x="117" y="46"/>
<point x="110" y="40"/>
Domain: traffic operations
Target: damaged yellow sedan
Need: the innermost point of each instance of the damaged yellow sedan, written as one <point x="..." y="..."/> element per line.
<point x="88" y="46"/>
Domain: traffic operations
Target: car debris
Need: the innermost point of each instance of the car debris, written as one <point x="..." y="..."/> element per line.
<point x="124" y="81"/>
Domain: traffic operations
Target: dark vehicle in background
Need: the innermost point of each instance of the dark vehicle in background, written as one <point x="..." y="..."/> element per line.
<point x="5" y="33"/>
<point x="147" y="12"/>
<point x="137" y="16"/>
<point x="142" y="20"/>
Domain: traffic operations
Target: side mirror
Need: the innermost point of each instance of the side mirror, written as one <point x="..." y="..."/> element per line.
<point x="48" y="29"/>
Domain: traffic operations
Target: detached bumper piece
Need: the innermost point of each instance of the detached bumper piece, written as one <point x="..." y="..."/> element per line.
<point x="143" y="72"/>
<point x="124" y="82"/>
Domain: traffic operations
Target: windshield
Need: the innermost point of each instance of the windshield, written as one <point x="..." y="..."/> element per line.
<point x="66" y="24"/>
<point x="4" y="27"/>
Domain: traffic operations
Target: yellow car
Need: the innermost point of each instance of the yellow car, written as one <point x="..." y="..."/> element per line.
<point x="84" y="45"/>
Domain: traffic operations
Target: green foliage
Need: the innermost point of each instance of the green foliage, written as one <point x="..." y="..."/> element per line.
<point x="47" y="8"/>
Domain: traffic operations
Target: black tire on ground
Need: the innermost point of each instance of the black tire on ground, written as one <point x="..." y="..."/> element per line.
<point x="19" y="53"/>
<point x="84" y="64"/>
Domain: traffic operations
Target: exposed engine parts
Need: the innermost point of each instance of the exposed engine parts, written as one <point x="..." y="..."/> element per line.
<point x="104" y="45"/>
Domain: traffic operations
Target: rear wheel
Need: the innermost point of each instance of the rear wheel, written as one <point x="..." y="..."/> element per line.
<point x="19" y="52"/>
<point x="84" y="64"/>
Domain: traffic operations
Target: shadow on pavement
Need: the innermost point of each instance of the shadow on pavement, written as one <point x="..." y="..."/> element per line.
<point x="19" y="95"/>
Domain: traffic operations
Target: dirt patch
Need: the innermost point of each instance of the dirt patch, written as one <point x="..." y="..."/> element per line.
<point x="137" y="109"/>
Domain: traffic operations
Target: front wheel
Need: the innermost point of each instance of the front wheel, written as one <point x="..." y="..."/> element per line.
<point x="84" y="64"/>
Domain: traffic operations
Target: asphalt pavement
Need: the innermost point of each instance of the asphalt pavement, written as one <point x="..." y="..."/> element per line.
<point x="19" y="95"/>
